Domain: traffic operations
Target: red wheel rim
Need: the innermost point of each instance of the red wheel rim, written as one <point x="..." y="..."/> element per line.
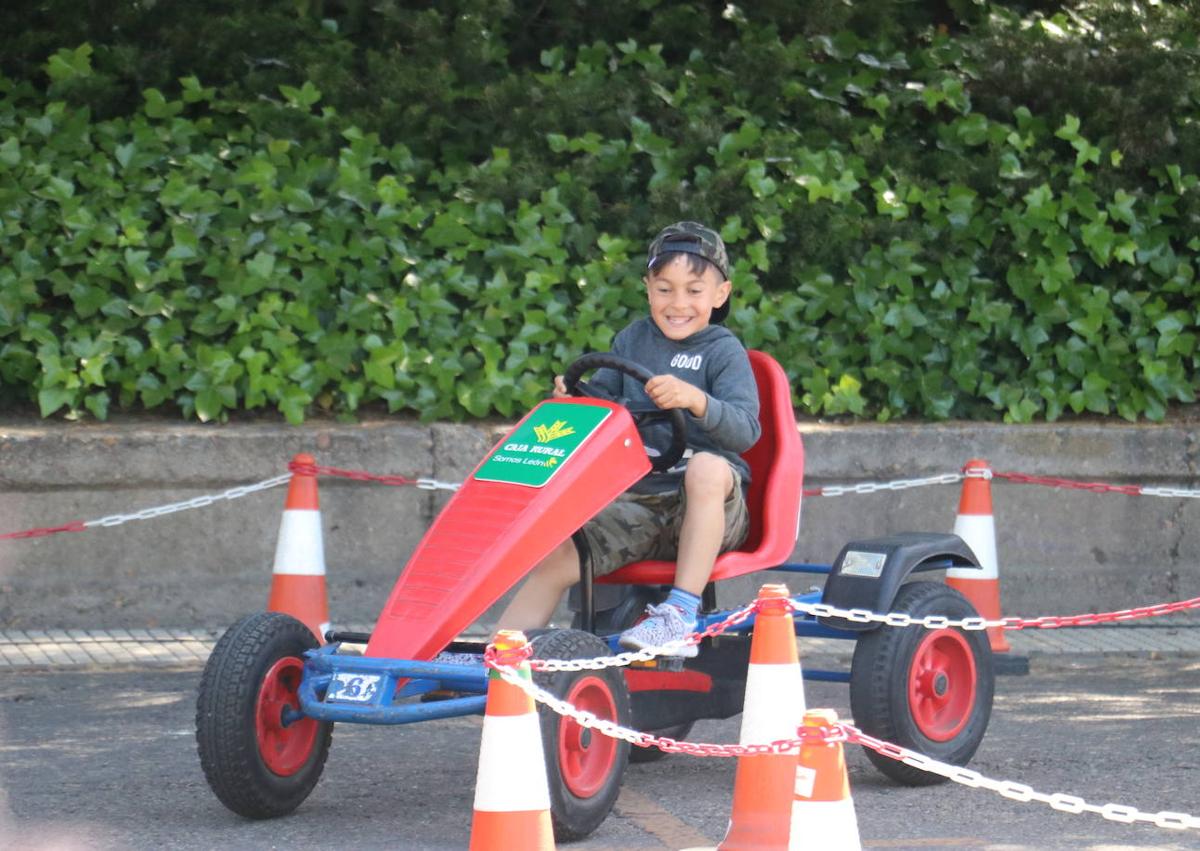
<point x="941" y="684"/>
<point x="585" y="756"/>
<point x="284" y="750"/>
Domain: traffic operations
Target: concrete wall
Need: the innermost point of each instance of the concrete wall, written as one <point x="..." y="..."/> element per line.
<point x="1060" y="551"/>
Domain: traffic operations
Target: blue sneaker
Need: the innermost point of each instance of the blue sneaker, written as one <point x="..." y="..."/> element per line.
<point x="664" y="625"/>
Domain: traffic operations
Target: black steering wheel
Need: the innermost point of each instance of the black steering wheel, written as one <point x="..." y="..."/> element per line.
<point x="639" y="373"/>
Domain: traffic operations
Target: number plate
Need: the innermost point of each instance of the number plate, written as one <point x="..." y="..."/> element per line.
<point x="353" y="688"/>
<point x="865" y="564"/>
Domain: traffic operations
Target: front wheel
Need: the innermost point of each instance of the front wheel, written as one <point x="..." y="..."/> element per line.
<point x="583" y="766"/>
<point x="929" y="690"/>
<point x="625" y="614"/>
<point x="260" y="760"/>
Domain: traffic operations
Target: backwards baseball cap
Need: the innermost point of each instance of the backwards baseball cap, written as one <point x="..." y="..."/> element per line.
<point x="693" y="238"/>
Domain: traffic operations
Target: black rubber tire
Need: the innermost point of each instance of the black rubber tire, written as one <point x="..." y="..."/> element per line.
<point x="626" y="613"/>
<point x="226" y="708"/>
<point x="576" y="816"/>
<point x="880" y="678"/>
<point x="619" y="618"/>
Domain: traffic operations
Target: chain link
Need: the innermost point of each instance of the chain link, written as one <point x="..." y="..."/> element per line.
<point x="1184" y="493"/>
<point x="644" y="740"/>
<point x="842" y="732"/>
<point x="899" y="619"/>
<point x="826" y="490"/>
<point x="73" y="526"/>
<point x="646" y="654"/>
<point x="196" y="502"/>
<point x="363" y="476"/>
<point x="1020" y="791"/>
<point x="896" y="485"/>
<point x="893" y="619"/>
<point x="435" y="485"/>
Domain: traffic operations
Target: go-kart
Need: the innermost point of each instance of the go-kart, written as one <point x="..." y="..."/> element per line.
<point x="270" y="694"/>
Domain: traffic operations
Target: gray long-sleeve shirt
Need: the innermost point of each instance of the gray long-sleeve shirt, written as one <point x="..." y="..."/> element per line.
<point x="713" y="360"/>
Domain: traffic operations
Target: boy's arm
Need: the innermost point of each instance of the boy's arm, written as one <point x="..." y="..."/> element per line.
<point x="731" y="416"/>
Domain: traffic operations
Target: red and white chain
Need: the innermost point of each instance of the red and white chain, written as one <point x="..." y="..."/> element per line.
<point x="895" y="485"/>
<point x="900" y="619"/>
<point x="614" y="730"/>
<point x="195" y="502"/>
<point x="426" y="483"/>
<point x="1019" y="791"/>
<point x="377" y="478"/>
<point x="824" y="610"/>
<point x="825" y="490"/>
<point x="894" y="619"/>
<point x="646" y="654"/>
<point x="843" y="732"/>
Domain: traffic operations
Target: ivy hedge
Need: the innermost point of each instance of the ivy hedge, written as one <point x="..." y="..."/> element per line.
<point x="907" y="242"/>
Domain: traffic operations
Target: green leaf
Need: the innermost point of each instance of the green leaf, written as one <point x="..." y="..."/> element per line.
<point x="158" y="106"/>
<point x="124" y="153"/>
<point x="50" y="399"/>
<point x="67" y="64"/>
<point x="97" y="403"/>
<point x="304" y="97"/>
<point x="10" y="151"/>
<point x="261" y="265"/>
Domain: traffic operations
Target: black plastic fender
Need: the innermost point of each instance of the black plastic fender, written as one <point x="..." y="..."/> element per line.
<point x="868" y="574"/>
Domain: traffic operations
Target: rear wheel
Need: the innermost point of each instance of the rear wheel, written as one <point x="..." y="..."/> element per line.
<point x="260" y="760"/>
<point x="583" y="766"/>
<point x="926" y="690"/>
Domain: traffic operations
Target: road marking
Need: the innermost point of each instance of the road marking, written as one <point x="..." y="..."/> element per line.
<point x="659" y="823"/>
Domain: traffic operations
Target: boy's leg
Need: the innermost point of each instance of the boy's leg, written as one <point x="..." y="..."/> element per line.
<point x="625" y="531"/>
<point x="707" y="483"/>
<point x="534" y="603"/>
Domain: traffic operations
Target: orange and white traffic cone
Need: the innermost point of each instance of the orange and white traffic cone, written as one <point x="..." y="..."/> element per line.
<point x="822" y="811"/>
<point x="774" y="708"/>
<point x="512" y="796"/>
<point x="976" y="526"/>
<point x="298" y="576"/>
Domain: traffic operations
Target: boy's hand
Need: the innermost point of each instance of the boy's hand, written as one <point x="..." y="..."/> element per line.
<point x="560" y="388"/>
<point x="669" y="392"/>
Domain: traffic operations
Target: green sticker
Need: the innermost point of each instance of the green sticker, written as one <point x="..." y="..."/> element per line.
<point x="539" y="447"/>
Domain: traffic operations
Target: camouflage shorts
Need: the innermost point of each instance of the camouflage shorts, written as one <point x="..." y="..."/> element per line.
<point x="641" y="527"/>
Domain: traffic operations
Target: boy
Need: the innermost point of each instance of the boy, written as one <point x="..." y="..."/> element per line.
<point x="697" y="509"/>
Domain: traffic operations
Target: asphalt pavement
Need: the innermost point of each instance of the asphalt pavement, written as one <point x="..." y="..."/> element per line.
<point x="104" y="759"/>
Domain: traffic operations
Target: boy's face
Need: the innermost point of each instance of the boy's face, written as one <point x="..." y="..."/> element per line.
<point x="682" y="302"/>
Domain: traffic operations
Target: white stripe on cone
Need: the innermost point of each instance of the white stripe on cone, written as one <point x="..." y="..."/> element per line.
<point x="300" y="550"/>
<point x="979" y="531"/>
<point x="827" y="825"/>
<point x="511" y="775"/>
<point x="775" y="703"/>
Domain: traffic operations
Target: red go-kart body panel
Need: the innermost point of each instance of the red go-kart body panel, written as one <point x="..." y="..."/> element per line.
<point x="558" y="467"/>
